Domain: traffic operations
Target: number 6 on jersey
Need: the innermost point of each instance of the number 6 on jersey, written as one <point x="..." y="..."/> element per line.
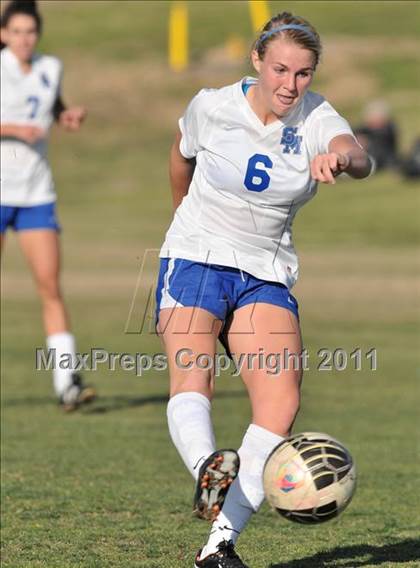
<point x="257" y="178"/>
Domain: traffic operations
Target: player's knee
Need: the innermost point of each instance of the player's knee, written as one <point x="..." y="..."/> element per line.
<point x="49" y="290"/>
<point x="191" y="381"/>
<point x="291" y="402"/>
<point x="277" y="415"/>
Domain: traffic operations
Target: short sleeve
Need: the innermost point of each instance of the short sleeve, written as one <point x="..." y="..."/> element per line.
<point x="52" y="70"/>
<point x="325" y="125"/>
<point x="192" y="126"/>
<point x="56" y="67"/>
<point x="60" y="77"/>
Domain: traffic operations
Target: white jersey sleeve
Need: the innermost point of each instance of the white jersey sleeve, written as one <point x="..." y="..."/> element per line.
<point x="193" y="125"/>
<point x="325" y="124"/>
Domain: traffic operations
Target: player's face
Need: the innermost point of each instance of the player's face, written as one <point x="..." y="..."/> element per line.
<point x="21" y="36"/>
<point x="285" y="75"/>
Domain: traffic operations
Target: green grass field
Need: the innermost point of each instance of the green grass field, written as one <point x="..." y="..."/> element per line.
<point x="105" y="487"/>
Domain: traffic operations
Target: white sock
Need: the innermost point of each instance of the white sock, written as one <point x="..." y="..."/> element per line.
<point x="64" y="345"/>
<point x="246" y="493"/>
<point x="191" y="428"/>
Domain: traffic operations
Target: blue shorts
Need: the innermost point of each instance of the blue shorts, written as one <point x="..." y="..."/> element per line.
<point x="218" y="289"/>
<point x="25" y="218"/>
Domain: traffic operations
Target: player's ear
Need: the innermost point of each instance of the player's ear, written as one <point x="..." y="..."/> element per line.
<point x="256" y="61"/>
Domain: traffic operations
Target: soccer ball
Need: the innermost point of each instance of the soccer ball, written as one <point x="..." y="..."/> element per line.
<point x="309" y="478"/>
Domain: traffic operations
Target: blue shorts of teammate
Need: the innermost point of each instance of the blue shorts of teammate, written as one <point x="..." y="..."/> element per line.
<point x="218" y="289"/>
<point x="26" y="218"/>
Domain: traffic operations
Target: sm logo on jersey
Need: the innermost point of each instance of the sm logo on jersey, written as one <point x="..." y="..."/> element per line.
<point x="291" y="141"/>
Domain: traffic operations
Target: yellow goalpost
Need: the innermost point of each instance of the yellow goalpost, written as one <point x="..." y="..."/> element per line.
<point x="178" y="45"/>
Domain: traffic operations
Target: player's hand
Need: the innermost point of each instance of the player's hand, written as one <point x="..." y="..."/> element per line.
<point x="72" y="118"/>
<point x="29" y="134"/>
<point x="325" y="167"/>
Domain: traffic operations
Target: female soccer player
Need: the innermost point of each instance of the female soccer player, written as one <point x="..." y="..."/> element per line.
<point x="30" y="101"/>
<point x="246" y="158"/>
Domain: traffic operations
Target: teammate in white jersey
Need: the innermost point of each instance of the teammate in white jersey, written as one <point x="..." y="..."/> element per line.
<point x="246" y="158"/>
<point x="30" y="102"/>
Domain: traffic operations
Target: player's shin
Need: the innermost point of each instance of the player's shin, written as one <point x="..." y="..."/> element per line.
<point x="191" y="428"/>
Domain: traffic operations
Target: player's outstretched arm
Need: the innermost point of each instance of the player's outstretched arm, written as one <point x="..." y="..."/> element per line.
<point x="344" y="155"/>
<point x="181" y="172"/>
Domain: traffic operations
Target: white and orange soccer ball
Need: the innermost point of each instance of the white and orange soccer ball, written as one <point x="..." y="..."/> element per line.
<point x="309" y="478"/>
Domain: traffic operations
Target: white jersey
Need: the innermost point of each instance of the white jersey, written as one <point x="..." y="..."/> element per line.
<point x="27" y="99"/>
<point x="249" y="182"/>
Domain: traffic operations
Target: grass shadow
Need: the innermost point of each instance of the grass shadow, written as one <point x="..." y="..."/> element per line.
<point x="115" y="403"/>
<point x="105" y="403"/>
<point x="359" y="555"/>
<point x="28" y="401"/>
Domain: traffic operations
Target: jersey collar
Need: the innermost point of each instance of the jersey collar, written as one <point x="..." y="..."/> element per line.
<point x="12" y="64"/>
<point x="253" y="118"/>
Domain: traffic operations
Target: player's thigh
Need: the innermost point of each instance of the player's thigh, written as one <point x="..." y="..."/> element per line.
<point x="268" y="339"/>
<point x="41" y="248"/>
<point x="189" y="335"/>
<point x="7" y="215"/>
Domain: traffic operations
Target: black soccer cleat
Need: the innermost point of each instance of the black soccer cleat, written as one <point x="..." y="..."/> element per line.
<point x="214" y="479"/>
<point x="225" y="557"/>
<point x="76" y="394"/>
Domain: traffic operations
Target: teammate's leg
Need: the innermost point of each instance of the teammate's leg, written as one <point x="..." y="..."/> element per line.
<point x="275" y="402"/>
<point x="41" y="249"/>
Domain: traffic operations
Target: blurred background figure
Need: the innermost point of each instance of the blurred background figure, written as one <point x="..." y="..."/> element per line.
<point x="410" y="165"/>
<point x="30" y="102"/>
<point x="379" y="135"/>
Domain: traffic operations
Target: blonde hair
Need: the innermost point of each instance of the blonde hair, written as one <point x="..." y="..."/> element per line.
<point x="300" y="32"/>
